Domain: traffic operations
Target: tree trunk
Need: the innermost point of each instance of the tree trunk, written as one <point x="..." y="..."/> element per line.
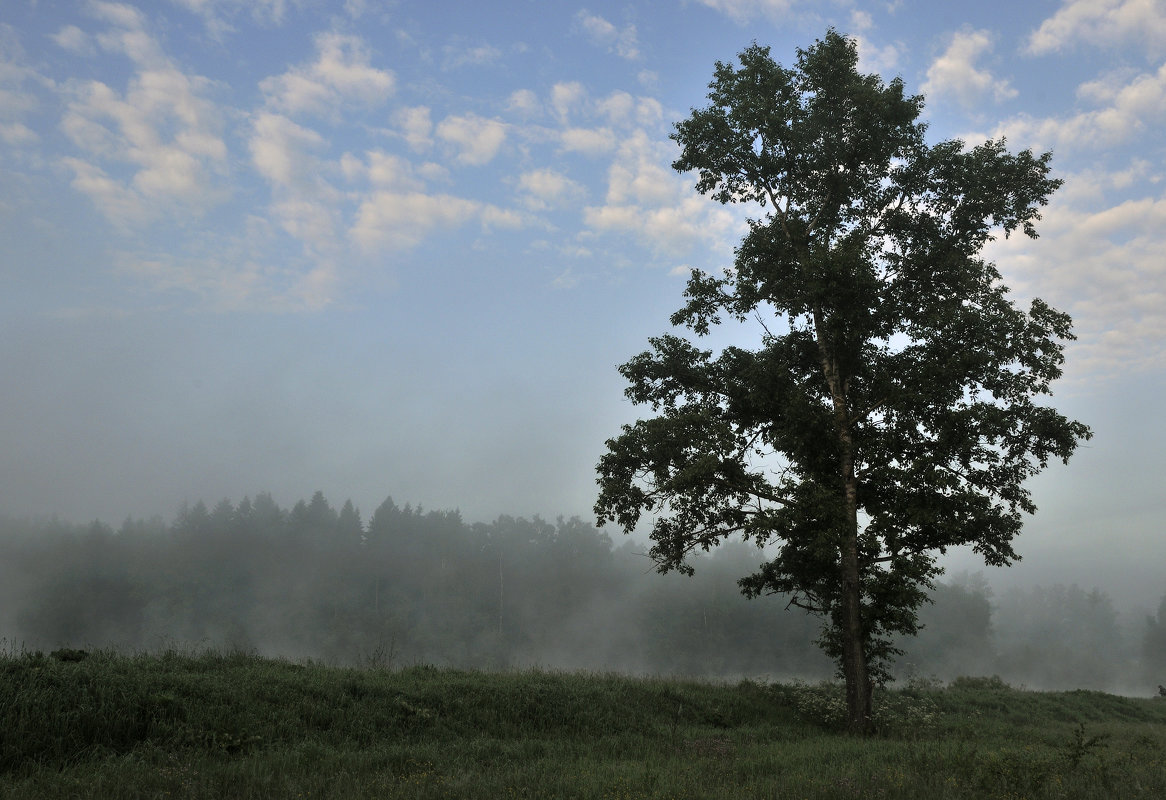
<point x="854" y="667"/>
<point x="849" y="622"/>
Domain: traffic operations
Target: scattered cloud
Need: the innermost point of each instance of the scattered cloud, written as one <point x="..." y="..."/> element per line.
<point x="476" y="139"/>
<point x="17" y="98"/>
<point x="340" y="76"/>
<point x="383" y="170"/>
<point x="1103" y="264"/>
<point x="1135" y="105"/>
<point x="280" y="150"/>
<point x="119" y="14"/>
<point x="460" y="54"/>
<point x="546" y="188"/>
<point x="304" y="205"/>
<point x="646" y="199"/>
<point x="416" y="127"/>
<point x="743" y="11"/>
<point x="119" y="204"/>
<point x="17" y="134"/>
<point x="74" y="40"/>
<point x="872" y="58"/>
<point x="524" y="102"/>
<point x="860" y="21"/>
<point x="623" y="110"/>
<point x="566" y="99"/>
<point x="1103" y="23"/>
<point x="621" y="41"/>
<point x="218" y="15"/>
<point x="401" y="220"/>
<point x="955" y="74"/>
<point x="566" y="279"/>
<point x="589" y="141"/>
<point x="163" y="127"/>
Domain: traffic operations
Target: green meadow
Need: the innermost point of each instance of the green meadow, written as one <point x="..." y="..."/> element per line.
<point x="235" y="725"/>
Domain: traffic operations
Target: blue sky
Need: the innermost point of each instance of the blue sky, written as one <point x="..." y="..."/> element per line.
<point x="399" y="248"/>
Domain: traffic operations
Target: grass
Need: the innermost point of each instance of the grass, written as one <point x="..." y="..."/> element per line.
<point x="217" y="725"/>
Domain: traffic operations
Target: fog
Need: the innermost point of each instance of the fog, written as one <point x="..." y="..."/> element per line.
<point x="410" y="585"/>
<point x="418" y="282"/>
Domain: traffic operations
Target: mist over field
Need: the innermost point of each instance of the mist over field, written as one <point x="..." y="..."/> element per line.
<point x="411" y="586"/>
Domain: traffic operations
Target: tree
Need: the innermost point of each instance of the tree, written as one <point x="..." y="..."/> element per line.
<point x="889" y="411"/>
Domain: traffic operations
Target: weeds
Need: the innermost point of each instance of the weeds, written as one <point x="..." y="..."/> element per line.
<point x="1081" y="746"/>
<point x="897" y="713"/>
<point x="213" y="725"/>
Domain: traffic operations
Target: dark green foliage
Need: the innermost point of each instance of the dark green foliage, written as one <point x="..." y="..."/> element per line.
<point x="889" y="412"/>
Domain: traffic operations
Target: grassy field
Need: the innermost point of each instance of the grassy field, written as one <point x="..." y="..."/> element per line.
<point x="239" y="726"/>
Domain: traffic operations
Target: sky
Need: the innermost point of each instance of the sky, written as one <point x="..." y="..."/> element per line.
<point x="399" y="249"/>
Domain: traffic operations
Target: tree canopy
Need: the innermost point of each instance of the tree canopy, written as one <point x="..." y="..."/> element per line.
<point x="889" y="411"/>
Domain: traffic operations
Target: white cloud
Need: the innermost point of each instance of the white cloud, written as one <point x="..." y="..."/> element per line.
<point x="545" y="188"/>
<point x="462" y="55"/>
<point x="742" y="11"/>
<point x="218" y="14"/>
<point x="589" y="141"/>
<point x="1103" y="23"/>
<point x="494" y="217"/>
<point x="872" y="58"/>
<point x="401" y="220"/>
<point x="304" y="204"/>
<point x="164" y="127"/>
<point x="1136" y="106"/>
<point x="860" y="20"/>
<point x="646" y="199"/>
<point x="118" y="14"/>
<point x="74" y="40"/>
<point x="119" y="204"/>
<point x="566" y="279"/>
<point x="415" y="126"/>
<point x="621" y="109"/>
<point x="954" y="72"/>
<point x="523" y="101"/>
<point x="16" y="134"/>
<point x="383" y="170"/>
<point x="308" y="219"/>
<point x="1103" y="264"/>
<point x="280" y="149"/>
<point x="639" y="175"/>
<point x="16" y="98"/>
<point x="341" y="75"/>
<point x="476" y="138"/>
<point x="567" y="98"/>
<point x="621" y="41"/>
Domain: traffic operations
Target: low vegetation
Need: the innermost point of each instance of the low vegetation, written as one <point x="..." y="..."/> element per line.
<point x="214" y="724"/>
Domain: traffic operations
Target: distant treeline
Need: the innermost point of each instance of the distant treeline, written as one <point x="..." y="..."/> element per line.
<point x="414" y="586"/>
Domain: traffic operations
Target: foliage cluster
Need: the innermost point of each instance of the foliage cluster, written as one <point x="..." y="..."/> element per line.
<point x="891" y="406"/>
<point x="227" y="724"/>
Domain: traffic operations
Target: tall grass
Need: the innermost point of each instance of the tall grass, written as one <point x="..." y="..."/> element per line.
<point x="219" y="725"/>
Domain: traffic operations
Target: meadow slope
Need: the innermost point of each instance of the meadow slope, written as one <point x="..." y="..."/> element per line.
<point x="233" y="725"/>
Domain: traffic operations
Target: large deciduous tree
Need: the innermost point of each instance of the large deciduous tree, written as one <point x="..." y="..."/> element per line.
<point x="889" y="412"/>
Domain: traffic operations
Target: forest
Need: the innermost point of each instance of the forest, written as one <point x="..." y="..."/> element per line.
<point x="411" y="586"/>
